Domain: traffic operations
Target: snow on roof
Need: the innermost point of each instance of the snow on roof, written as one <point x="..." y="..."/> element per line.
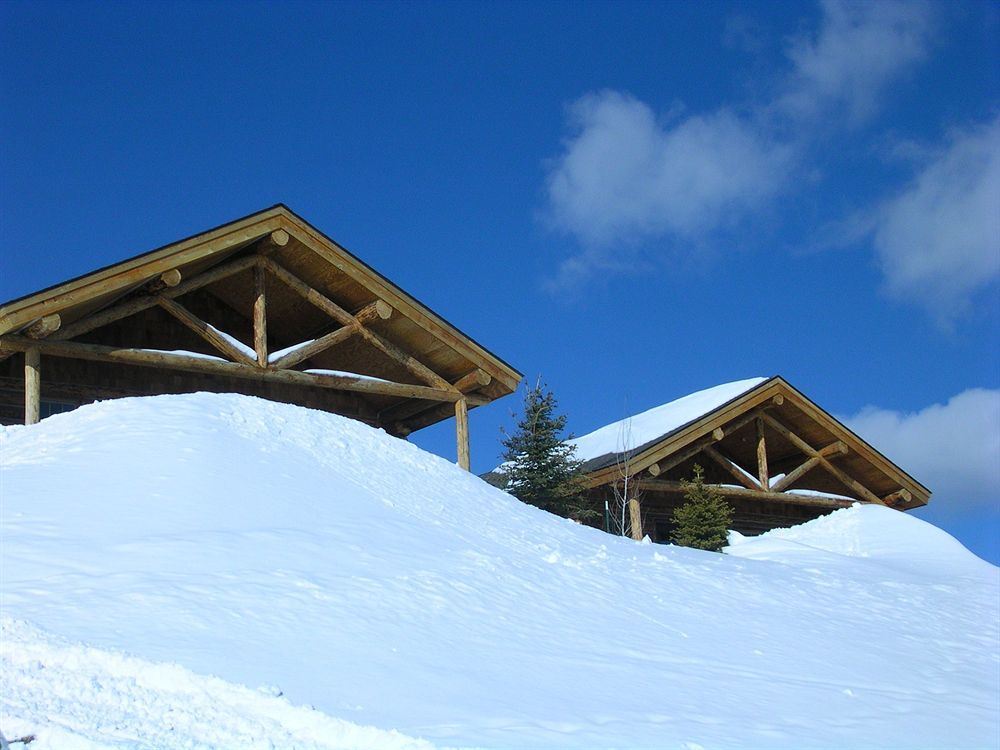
<point x="651" y="425"/>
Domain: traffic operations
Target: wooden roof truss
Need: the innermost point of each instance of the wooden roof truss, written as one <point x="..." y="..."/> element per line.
<point x="162" y="286"/>
<point x="752" y="449"/>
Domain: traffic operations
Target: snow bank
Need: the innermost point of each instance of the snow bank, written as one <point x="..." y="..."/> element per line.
<point x="270" y="545"/>
<point x="75" y="697"/>
<point x="649" y="425"/>
<point x="870" y="531"/>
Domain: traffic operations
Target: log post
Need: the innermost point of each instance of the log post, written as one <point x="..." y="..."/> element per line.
<point x="634" y="519"/>
<point x="462" y="433"/>
<point x="761" y="455"/>
<point x="259" y="316"/>
<point x="32" y="386"/>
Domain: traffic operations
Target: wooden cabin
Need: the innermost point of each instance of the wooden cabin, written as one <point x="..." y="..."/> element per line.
<point x="777" y="458"/>
<point x="267" y="306"/>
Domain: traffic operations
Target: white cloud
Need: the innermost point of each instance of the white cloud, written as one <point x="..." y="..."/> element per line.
<point x="939" y="240"/>
<point x="953" y="448"/>
<point x="858" y="50"/>
<point x="625" y="174"/>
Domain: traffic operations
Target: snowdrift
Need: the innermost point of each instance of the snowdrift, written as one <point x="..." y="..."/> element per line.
<point x="300" y="553"/>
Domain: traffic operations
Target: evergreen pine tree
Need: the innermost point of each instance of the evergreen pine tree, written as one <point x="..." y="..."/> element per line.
<point x="540" y="468"/>
<point x="704" y="519"/>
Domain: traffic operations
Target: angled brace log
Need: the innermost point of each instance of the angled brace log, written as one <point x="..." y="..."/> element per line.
<point x="205" y="331"/>
<point x="843" y="478"/>
<point x="341" y="315"/>
<point x="733" y="468"/>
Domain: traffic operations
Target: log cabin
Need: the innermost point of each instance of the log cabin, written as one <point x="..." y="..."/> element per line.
<point x="774" y="455"/>
<point x="266" y="305"/>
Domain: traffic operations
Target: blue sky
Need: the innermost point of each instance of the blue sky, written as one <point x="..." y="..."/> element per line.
<point x="632" y="200"/>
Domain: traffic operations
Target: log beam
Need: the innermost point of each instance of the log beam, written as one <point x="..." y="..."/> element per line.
<point x="313" y="348"/>
<point x="430" y="415"/>
<point x="900" y="495"/>
<point x="836" y="448"/>
<point x="343" y="317"/>
<point x="121" y="278"/>
<point x="473" y="381"/>
<point x="670" y="486"/>
<point x="794" y="475"/>
<point x="138" y="304"/>
<point x="170" y="278"/>
<point x="467" y="384"/>
<point x="375" y="310"/>
<point x="279" y="238"/>
<point x="206" y="331"/>
<point x="148" y="358"/>
<point x="43" y="327"/>
<point x="32" y="385"/>
<point x="669" y="462"/>
<point x="842" y="477"/>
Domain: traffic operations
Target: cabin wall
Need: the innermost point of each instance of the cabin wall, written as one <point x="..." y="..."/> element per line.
<point x="68" y="383"/>
<point x="750" y="517"/>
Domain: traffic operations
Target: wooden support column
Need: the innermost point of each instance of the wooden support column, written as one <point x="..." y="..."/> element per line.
<point x="634" y="519"/>
<point x="762" y="456"/>
<point x="259" y="316"/>
<point x="32" y="386"/>
<point x="462" y="433"/>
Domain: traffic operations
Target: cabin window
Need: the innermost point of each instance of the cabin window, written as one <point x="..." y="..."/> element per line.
<point x="48" y="407"/>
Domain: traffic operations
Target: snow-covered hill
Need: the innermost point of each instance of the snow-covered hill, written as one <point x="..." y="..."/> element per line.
<point x="296" y="552"/>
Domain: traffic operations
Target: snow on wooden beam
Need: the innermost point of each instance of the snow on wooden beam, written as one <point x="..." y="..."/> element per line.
<point x="670" y="486"/>
<point x="187" y="363"/>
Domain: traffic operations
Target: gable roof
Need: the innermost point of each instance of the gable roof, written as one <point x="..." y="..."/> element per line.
<point x="602" y="447"/>
<point x="673" y="429"/>
<point x="306" y="254"/>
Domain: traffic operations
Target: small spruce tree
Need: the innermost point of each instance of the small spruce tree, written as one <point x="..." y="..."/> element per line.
<point x="540" y="466"/>
<point x="703" y="521"/>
